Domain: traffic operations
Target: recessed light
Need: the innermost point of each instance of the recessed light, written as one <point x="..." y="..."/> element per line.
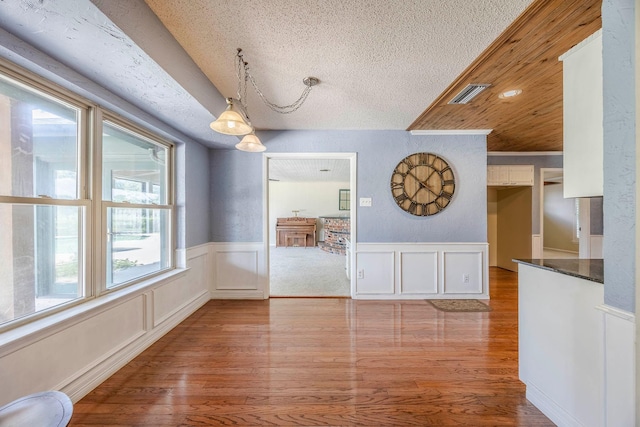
<point x="510" y="93"/>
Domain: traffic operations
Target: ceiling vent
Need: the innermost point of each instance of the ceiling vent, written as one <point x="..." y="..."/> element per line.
<point x="468" y="93"/>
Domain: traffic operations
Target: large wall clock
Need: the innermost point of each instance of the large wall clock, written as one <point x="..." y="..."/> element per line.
<point x="423" y="184"/>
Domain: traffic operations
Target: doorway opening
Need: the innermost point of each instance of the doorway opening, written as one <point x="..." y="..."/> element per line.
<point x="569" y="228"/>
<point x="309" y="224"/>
<point x="508" y="225"/>
<point x="559" y="217"/>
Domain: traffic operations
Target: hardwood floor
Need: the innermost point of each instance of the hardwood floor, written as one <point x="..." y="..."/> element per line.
<point x="333" y="362"/>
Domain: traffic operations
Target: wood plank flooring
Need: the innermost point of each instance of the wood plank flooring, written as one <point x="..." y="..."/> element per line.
<point x="335" y="362"/>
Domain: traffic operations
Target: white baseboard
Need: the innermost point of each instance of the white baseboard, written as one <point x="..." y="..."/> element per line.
<point x="561" y="250"/>
<point x="241" y="294"/>
<point x="548" y="407"/>
<point x="97" y="374"/>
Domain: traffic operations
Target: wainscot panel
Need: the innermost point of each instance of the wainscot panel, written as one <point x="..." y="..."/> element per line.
<point x="462" y="272"/>
<point x="77" y="349"/>
<point x="239" y="271"/>
<point x="375" y="273"/>
<point x="422" y="270"/>
<point x="418" y="273"/>
<point x="71" y="352"/>
<point x="172" y="296"/>
<point x="619" y="358"/>
<point x="536" y="246"/>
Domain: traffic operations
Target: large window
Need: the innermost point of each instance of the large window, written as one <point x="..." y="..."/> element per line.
<point x="50" y="220"/>
<point x="42" y="213"/>
<point x="135" y="194"/>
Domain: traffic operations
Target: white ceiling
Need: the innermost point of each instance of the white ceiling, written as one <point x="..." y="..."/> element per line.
<point x="381" y="63"/>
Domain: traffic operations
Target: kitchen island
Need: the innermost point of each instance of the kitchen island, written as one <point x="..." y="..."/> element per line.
<point x="560" y="333"/>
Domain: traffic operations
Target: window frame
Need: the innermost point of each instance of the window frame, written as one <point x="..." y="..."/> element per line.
<point x="92" y="242"/>
<point x="100" y="214"/>
<point x="34" y="84"/>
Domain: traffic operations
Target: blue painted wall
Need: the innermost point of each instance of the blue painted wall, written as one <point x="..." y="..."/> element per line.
<point x="236" y="185"/>
<point x="196" y="194"/>
<point x="619" y="201"/>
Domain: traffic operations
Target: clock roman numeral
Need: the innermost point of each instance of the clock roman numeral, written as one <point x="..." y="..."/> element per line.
<point x="401" y="198"/>
<point x="446" y="195"/>
<point x="407" y="161"/>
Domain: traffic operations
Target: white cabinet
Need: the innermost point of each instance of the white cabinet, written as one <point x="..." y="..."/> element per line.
<point x="583" y="117"/>
<point x="510" y="175"/>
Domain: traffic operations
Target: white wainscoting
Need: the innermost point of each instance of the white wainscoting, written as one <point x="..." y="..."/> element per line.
<point x="422" y="270"/>
<point x="77" y="349"/>
<point x="536" y="246"/>
<point x="619" y="359"/>
<point x="560" y="346"/>
<point x="238" y="271"/>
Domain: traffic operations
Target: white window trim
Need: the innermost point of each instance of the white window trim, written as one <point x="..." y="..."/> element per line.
<point x="89" y="197"/>
<point x="100" y="215"/>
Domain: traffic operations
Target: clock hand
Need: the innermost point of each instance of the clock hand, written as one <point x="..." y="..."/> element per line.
<point x="433" y="192"/>
<point x="422" y="184"/>
<point x="431" y="174"/>
<point x="417" y="191"/>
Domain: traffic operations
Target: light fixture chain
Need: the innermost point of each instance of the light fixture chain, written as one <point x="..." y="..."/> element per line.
<point x="282" y="109"/>
<point x="243" y="75"/>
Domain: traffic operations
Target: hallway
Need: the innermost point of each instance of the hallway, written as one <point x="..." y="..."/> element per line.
<point x="289" y="361"/>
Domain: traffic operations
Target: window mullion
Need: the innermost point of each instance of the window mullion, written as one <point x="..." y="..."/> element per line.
<point x="99" y="243"/>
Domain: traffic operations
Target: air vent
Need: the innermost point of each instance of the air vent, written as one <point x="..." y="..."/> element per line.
<point x="468" y="93"/>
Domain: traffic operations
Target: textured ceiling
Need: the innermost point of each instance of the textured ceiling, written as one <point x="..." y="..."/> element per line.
<point x="381" y="63"/>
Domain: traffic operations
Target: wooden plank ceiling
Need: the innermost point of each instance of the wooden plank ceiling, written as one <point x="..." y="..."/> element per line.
<point x="525" y="57"/>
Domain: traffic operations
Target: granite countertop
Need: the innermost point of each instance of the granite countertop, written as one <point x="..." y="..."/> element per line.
<point x="588" y="269"/>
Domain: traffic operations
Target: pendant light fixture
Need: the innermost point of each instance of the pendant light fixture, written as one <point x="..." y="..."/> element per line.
<point x="231" y="121"/>
<point x="234" y="120"/>
<point x="251" y="143"/>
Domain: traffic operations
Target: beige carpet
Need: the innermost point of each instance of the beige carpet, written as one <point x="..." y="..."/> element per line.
<point x="307" y="272"/>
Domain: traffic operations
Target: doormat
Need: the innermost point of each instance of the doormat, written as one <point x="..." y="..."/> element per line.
<point x="469" y="305"/>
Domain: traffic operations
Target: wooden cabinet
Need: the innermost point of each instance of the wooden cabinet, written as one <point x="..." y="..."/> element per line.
<point x="511" y="175"/>
<point x="296" y="231"/>
<point x="582" y="118"/>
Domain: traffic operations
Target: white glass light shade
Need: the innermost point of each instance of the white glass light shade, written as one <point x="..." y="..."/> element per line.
<point x="231" y="122"/>
<point x="251" y="143"/>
